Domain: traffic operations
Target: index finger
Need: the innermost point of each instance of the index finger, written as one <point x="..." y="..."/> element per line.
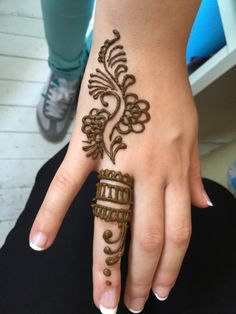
<point x="65" y="185"/>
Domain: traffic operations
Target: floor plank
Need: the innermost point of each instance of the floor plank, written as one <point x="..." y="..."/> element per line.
<point x="26" y="26"/>
<point x="24" y="70"/>
<point x="14" y="176"/>
<point x="21" y="69"/>
<point x="23" y="46"/>
<point x="5" y="227"/>
<point x="13" y="202"/>
<point x="27" y="146"/>
<point x="17" y="93"/>
<point x="18" y="119"/>
<point x="26" y="8"/>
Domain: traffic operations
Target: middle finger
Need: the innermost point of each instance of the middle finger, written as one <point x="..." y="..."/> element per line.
<point x="112" y="211"/>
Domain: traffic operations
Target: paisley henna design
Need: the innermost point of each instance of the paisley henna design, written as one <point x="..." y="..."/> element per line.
<point x="114" y="188"/>
<point x="122" y="112"/>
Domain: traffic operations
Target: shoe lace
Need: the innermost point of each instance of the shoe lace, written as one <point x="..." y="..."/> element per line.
<point x="57" y="99"/>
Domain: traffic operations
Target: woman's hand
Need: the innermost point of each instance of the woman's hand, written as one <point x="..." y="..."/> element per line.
<point x="164" y="162"/>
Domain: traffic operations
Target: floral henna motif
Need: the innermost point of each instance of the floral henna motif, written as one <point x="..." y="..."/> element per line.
<point x="122" y="112"/>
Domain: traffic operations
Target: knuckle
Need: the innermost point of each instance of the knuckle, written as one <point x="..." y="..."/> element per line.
<point x="166" y="282"/>
<point x="182" y="160"/>
<point x="139" y="289"/>
<point x="150" y="240"/>
<point x="175" y="136"/>
<point x="63" y="180"/>
<point x="179" y="139"/>
<point x="50" y="214"/>
<point x="195" y="181"/>
<point x="182" y="171"/>
<point x="180" y="236"/>
<point x="195" y="168"/>
<point x="197" y="175"/>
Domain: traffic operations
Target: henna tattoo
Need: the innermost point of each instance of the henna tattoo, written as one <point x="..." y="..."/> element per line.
<point x="110" y="85"/>
<point x="108" y="283"/>
<point x="115" y="188"/>
<point x="107" y="272"/>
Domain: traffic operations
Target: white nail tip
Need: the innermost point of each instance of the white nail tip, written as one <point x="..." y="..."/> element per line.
<point x="108" y="311"/>
<point x="205" y="195"/>
<point x="134" y="311"/>
<point x="35" y="247"/>
<point x="160" y="298"/>
<point x="210" y="203"/>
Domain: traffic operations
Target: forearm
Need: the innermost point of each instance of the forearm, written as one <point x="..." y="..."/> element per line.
<point x="153" y="26"/>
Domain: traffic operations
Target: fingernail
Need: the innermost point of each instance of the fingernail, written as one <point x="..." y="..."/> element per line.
<point x="137" y="305"/>
<point x="104" y="310"/>
<point x="162" y="293"/>
<point x="38" y="241"/>
<point x="134" y="311"/>
<point x="205" y="195"/>
<point x="107" y="303"/>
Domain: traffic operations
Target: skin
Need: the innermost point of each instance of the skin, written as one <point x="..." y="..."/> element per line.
<point x="164" y="159"/>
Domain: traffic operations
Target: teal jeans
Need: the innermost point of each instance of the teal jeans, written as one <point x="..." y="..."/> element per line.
<point x="66" y="23"/>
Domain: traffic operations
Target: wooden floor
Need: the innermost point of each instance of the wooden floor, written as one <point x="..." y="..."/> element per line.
<point x="23" y="71"/>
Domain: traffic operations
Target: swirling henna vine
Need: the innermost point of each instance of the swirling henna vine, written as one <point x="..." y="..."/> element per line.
<point x="114" y="188"/>
<point x="122" y="112"/>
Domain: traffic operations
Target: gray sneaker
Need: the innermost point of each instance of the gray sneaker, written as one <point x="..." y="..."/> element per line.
<point x="56" y="107"/>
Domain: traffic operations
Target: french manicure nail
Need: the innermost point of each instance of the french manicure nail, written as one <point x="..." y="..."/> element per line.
<point x="205" y="195"/>
<point x="162" y="293"/>
<point x="104" y="310"/>
<point x="38" y="241"/>
<point x="134" y="311"/>
<point x="107" y="303"/>
<point x="137" y="305"/>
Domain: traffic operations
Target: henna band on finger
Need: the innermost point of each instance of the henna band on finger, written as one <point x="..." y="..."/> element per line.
<point x="113" y="203"/>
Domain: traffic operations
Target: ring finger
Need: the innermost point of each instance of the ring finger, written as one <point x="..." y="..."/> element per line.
<point x="146" y="242"/>
<point x="177" y="236"/>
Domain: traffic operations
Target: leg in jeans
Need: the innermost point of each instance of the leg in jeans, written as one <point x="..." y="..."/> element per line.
<point x="66" y="23"/>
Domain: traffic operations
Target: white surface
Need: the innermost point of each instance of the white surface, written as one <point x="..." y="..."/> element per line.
<point x="212" y="69"/>
<point x="9" y="90"/>
<point x="227" y="10"/>
<point x="224" y="59"/>
<point x="24" y="69"/>
<point x="23" y="46"/>
<point x="26" y="8"/>
<point x="10" y="24"/>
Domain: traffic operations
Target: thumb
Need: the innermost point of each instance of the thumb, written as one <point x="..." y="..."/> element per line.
<point x="199" y="196"/>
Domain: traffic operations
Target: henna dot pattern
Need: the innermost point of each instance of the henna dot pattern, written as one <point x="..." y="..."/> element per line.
<point x="108" y="283"/>
<point x="121" y="112"/>
<point x="116" y="189"/>
<point x="107" y="272"/>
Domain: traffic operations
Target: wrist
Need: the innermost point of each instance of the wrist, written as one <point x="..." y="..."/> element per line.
<point x="155" y="70"/>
